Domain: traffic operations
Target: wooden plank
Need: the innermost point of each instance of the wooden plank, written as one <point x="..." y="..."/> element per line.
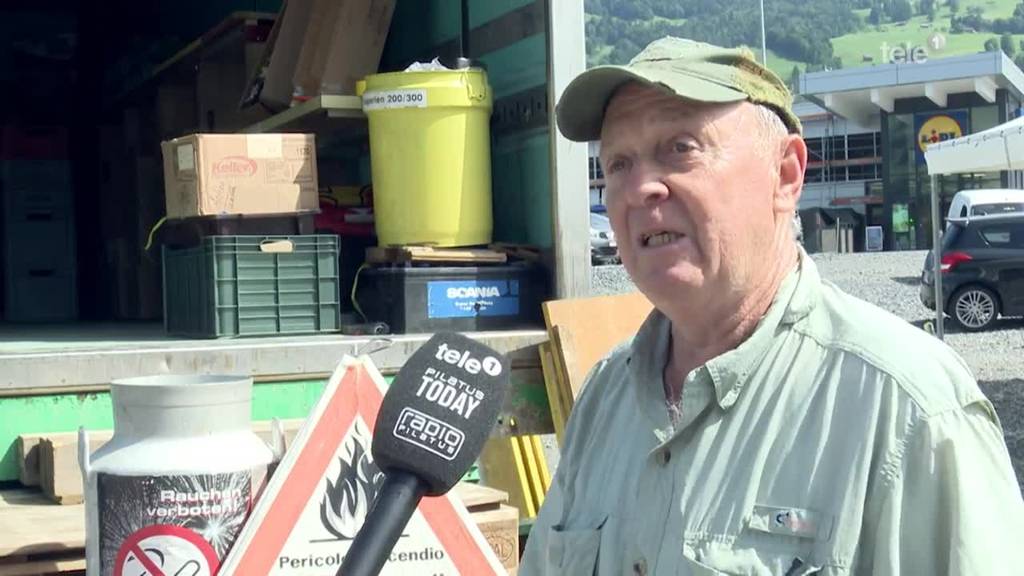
<point x="27" y="452"/>
<point x="552" y="385"/>
<point x="59" y="474"/>
<point x="593" y="326"/>
<point x="401" y="254"/>
<point x="521" y="251"/>
<point x="501" y="466"/>
<point x="542" y="463"/>
<point x="534" y="482"/>
<point x="478" y="497"/>
<point x="56" y="456"/>
<point x="31" y="524"/>
<point x="559" y="353"/>
<point x="44" y="566"/>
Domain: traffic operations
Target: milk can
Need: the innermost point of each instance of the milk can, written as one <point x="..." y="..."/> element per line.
<point x="169" y="493"/>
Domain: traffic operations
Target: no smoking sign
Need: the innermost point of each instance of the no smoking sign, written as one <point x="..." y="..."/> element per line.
<point x="163" y="550"/>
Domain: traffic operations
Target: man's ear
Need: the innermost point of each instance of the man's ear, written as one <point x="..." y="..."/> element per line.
<point x="791" y="174"/>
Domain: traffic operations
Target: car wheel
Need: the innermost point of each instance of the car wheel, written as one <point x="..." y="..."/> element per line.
<point x="974" y="308"/>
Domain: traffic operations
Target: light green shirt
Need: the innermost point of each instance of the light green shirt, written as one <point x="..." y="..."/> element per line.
<point x="837" y="439"/>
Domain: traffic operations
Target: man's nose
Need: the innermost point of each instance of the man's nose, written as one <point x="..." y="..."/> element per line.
<point x="648" y="188"/>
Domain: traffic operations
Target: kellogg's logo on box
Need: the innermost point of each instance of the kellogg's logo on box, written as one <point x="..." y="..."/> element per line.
<point x="234" y="166"/>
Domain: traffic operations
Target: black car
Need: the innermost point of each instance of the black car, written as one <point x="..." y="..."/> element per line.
<point x="982" y="271"/>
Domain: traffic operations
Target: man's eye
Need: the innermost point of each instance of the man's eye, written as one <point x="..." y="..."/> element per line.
<point x="615" y="166"/>
<point x="682" y="147"/>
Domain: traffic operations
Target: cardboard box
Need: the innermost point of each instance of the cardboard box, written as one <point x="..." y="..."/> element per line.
<point x="343" y="43"/>
<point x="210" y="174"/>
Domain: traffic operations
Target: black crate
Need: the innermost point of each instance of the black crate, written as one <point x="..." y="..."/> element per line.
<point x="458" y="298"/>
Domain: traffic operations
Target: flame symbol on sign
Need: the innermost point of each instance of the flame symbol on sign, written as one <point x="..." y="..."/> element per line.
<point x="347" y="500"/>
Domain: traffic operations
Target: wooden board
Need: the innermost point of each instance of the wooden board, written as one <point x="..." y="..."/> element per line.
<point x="564" y="353"/>
<point x="72" y="562"/>
<point x="27" y="453"/>
<point x="521" y="251"/>
<point x="427" y="254"/>
<point x="553" y="386"/>
<point x="535" y="484"/>
<point x="32" y="527"/>
<point x="478" y="497"/>
<point x="542" y="464"/>
<point x="53" y="457"/>
<point x="31" y="524"/>
<point x="59" y="474"/>
<point x="501" y="466"/>
<point x="591" y="327"/>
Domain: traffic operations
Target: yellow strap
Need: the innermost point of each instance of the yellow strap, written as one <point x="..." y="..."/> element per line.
<point x="152" y="231"/>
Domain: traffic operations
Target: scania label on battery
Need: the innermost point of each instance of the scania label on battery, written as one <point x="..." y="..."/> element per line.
<point x="469" y="298"/>
<point x="395" y="99"/>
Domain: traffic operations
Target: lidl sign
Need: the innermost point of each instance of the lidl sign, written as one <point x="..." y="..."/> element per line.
<point x="932" y="128"/>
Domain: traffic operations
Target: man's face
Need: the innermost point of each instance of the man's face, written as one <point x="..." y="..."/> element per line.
<point x="690" y="191"/>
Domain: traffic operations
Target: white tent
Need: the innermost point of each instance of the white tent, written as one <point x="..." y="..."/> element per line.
<point x="992" y="150"/>
<point x="999" y="148"/>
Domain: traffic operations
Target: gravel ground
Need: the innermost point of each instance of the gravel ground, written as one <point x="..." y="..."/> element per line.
<point x="890" y="280"/>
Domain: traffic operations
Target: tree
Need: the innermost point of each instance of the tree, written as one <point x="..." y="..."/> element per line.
<point x="794" y="79"/>
<point x="992" y="45"/>
<point x="954" y="6"/>
<point x="901" y="10"/>
<point x="876" y="16"/>
<point x="1006" y="44"/>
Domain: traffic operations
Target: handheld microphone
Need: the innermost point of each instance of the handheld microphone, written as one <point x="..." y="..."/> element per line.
<point x="432" y="425"/>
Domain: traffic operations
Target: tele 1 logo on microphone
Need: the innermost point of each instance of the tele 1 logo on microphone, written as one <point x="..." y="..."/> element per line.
<point x="429" y="433"/>
<point x="490" y="365"/>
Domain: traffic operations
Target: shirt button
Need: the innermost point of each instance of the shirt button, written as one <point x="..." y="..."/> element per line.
<point x="640" y="567"/>
<point x="664" y="457"/>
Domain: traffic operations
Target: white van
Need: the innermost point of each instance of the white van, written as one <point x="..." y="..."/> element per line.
<point x="970" y="203"/>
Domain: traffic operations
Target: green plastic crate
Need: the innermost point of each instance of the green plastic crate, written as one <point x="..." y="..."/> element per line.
<point x="228" y="287"/>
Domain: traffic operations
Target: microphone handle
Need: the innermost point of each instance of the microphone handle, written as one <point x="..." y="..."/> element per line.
<point x="394" y="505"/>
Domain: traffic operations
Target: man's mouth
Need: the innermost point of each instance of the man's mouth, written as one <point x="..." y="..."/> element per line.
<point x="659" y="239"/>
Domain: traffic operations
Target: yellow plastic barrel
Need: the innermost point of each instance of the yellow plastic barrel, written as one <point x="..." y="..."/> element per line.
<point x="430" y="156"/>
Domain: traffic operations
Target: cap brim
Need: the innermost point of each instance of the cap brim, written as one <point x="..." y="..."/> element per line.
<point x="580" y="110"/>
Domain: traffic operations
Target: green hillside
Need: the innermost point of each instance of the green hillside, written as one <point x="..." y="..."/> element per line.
<point x="821" y="34"/>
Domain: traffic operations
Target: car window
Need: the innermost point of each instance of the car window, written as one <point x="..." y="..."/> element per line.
<point x="599" y="222"/>
<point x="951" y="237"/>
<point x="997" y="208"/>
<point x="1003" y="235"/>
<point x="1017" y="235"/>
<point x="963" y="211"/>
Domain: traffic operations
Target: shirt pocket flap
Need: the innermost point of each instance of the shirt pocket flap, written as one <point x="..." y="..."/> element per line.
<point x="573" y="552"/>
<point x="790" y="521"/>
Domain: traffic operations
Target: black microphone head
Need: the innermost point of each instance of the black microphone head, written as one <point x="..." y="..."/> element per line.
<point x="440" y="409"/>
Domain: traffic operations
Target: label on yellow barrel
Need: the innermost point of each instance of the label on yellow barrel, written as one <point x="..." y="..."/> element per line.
<point x="387" y="99"/>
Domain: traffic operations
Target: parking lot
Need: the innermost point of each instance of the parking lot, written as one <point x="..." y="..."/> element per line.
<point x="890" y="280"/>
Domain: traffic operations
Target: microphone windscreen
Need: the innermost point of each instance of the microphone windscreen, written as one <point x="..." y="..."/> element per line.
<point x="440" y="409"/>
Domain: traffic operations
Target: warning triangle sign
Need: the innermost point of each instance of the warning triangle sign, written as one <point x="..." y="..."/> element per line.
<point x="319" y="495"/>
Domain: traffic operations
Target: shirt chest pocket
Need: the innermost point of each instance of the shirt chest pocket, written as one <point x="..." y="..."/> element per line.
<point x="573" y="552"/>
<point x="774" y="541"/>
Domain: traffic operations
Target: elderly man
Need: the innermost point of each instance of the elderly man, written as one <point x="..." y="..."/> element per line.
<point x="761" y="422"/>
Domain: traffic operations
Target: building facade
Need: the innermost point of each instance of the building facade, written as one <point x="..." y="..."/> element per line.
<point x="866" y="129"/>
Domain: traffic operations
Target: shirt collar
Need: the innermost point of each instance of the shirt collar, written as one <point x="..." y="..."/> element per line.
<point x="730" y="371"/>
